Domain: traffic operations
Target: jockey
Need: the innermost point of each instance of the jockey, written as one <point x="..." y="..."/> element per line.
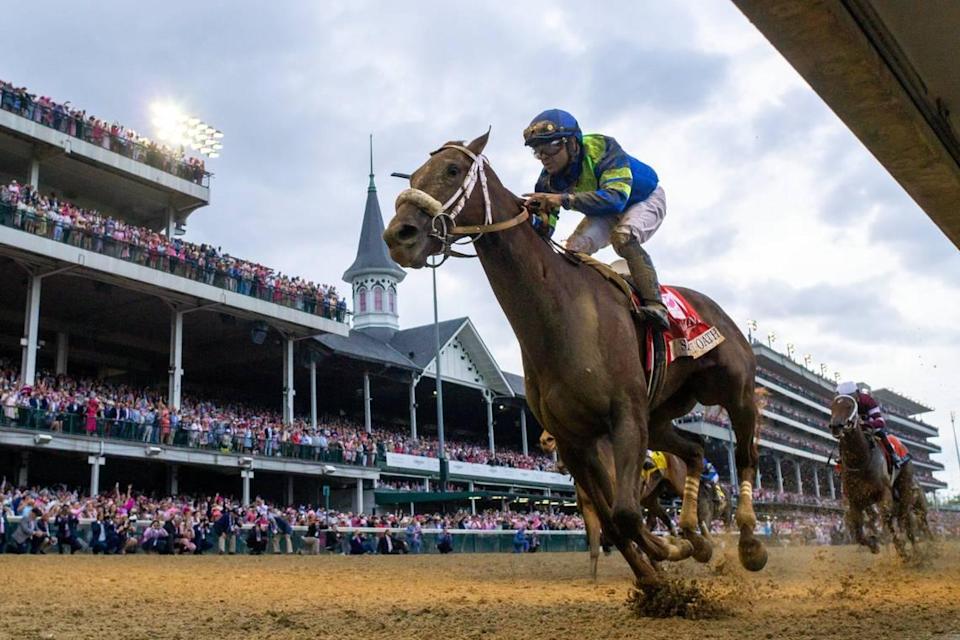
<point x="620" y="196"/>
<point x="871" y="417"/>
<point x="711" y="477"/>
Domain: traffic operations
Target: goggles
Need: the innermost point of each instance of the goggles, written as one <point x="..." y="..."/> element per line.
<point x="548" y="149"/>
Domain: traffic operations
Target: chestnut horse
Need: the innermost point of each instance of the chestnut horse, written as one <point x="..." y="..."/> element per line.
<point x="866" y="481"/>
<point x="582" y="354"/>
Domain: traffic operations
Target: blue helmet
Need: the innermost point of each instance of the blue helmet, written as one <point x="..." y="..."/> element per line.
<point x="550" y="125"/>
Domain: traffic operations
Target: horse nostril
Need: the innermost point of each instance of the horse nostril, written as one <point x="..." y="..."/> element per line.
<point x="407" y="233"/>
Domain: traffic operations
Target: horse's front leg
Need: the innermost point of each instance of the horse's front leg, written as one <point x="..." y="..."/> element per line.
<point x="628" y="435"/>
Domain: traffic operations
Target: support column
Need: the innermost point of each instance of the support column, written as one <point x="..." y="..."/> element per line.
<point x="367" y="418"/>
<point x="95" y="463"/>
<point x="170" y="221"/>
<point x="413" y="406"/>
<point x="173" y="479"/>
<point x="776" y="461"/>
<point x="473" y="503"/>
<point x="489" y="398"/>
<point x="247" y="476"/>
<point x="426" y="485"/>
<point x="358" y="497"/>
<point x="23" y="471"/>
<point x="288" y="390"/>
<point x="732" y="463"/>
<point x="289" y="490"/>
<point x="523" y="430"/>
<point x="31" y="328"/>
<point x="796" y="469"/>
<point x="63" y="346"/>
<point x="35" y="173"/>
<point x="816" y="481"/>
<point x="759" y="475"/>
<point x="176" y="359"/>
<point x="313" y="394"/>
<point x="833" y="489"/>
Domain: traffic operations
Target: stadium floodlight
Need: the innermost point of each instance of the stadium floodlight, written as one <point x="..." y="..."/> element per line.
<point x="42" y="438"/>
<point x="771" y="338"/>
<point x="173" y="126"/>
<point x="790" y="349"/>
<point x="807" y="359"/>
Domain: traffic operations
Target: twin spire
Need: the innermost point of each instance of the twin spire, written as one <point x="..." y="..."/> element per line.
<point x="374" y="275"/>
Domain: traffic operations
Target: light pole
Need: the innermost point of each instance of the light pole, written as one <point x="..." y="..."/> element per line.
<point x="751" y="327"/>
<point x="771" y="338"/>
<point x="953" y="426"/>
<point x="436" y="333"/>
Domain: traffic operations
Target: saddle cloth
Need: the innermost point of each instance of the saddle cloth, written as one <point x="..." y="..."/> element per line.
<point x="688" y="335"/>
<point x="900" y="449"/>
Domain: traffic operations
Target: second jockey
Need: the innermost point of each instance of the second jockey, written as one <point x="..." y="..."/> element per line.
<point x="620" y="196"/>
<point x="871" y="417"/>
<point x="712" y="478"/>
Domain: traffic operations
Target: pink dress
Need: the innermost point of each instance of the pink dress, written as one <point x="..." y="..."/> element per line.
<point x="93" y="405"/>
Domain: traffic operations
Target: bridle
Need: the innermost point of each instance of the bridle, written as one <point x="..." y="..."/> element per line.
<point x="443" y="224"/>
<point x="854" y="411"/>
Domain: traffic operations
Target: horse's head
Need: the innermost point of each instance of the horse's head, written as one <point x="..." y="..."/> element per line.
<point x="844" y="415"/>
<point x="441" y="196"/>
<point x="547" y="442"/>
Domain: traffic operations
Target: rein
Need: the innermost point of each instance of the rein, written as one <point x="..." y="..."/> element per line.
<point x="443" y="225"/>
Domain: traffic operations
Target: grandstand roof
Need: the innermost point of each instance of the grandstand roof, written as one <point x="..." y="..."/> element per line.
<point x="516" y="383"/>
<point x="372" y="255"/>
<point x="891" y="397"/>
<point x="419" y="343"/>
<point x="362" y="346"/>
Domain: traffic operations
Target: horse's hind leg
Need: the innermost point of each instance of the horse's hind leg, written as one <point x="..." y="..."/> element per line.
<point x="743" y="418"/>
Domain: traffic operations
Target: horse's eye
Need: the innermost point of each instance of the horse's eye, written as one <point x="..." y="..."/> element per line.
<point x="453" y="170"/>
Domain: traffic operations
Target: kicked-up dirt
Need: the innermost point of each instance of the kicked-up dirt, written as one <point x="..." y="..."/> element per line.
<point x="805" y="592"/>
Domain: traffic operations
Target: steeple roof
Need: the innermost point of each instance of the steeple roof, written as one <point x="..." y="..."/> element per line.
<point x="372" y="255"/>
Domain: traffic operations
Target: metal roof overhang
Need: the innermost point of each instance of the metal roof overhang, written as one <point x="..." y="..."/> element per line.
<point x="887" y="68"/>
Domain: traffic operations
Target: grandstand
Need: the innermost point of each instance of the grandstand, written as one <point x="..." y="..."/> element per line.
<point x="110" y="297"/>
<point x="277" y="389"/>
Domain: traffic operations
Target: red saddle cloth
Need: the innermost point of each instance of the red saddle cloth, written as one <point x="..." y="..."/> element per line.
<point x="897" y="446"/>
<point x="688" y="336"/>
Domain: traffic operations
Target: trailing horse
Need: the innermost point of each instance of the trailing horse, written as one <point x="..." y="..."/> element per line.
<point x="867" y="482"/>
<point x="582" y="354"/>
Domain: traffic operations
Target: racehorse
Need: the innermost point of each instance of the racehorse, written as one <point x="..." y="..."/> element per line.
<point x="582" y="354"/>
<point x="670" y="477"/>
<point x="867" y="482"/>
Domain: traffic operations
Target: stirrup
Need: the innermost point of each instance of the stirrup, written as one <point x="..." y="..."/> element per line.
<point x="656" y="315"/>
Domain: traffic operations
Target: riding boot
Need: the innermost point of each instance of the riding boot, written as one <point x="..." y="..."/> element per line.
<point x="645" y="278"/>
<point x="895" y="458"/>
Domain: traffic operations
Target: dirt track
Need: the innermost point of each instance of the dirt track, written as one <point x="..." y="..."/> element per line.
<point x="806" y="592"/>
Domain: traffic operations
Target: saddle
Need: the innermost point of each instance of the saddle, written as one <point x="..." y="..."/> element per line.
<point x="688" y="335"/>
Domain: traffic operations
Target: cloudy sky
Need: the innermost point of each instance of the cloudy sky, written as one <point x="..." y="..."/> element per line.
<point x="774" y="208"/>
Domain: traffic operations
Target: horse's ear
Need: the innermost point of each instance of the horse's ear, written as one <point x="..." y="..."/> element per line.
<point x="480" y="143"/>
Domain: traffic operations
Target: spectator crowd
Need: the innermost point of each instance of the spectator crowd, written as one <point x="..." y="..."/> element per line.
<point x="23" y="207"/>
<point x="98" y="408"/>
<point x="113" y="136"/>
<point x="123" y="522"/>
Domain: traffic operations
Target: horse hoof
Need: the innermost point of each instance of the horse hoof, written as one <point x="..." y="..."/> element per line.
<point x="702" y="549"/>
<point x="753" y="555"/>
